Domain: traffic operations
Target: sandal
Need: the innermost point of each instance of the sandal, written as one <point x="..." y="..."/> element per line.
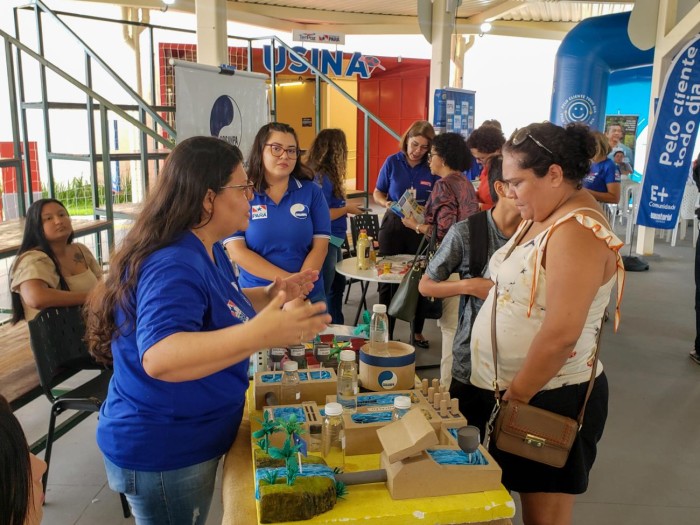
<point x="422" y="343"/>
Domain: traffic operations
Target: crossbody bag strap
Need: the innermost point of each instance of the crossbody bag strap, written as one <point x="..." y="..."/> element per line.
<point x="494" y="347"/>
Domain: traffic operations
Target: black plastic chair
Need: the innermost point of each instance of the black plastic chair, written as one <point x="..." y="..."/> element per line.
<point x="56" y="338"/>
<point x="370" y="223"/>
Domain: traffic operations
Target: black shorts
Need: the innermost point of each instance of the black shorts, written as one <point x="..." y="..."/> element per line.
<point x="523" y="475"/>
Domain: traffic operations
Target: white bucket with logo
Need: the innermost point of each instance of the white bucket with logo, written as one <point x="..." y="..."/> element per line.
<point x="394" y="371"/>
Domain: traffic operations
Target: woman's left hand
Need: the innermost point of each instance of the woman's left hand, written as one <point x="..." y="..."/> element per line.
<point x="297" y="285"/>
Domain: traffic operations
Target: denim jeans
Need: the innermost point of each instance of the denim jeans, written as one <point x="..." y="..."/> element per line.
<point x="172" y="497"/>
<point x="334" y="284"/>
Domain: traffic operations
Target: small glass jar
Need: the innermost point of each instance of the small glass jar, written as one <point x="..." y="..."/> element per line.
<point x="402" y="404"/>
<point x="333" y="436"/>
<point x="277" y="355"/>
<point x="298" y="353"/>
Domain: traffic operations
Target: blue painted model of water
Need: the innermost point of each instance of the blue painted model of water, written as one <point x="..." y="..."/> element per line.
<point x="284" y="413"/>
<point x="376" y="399"/>
<point x="371" y="417"/>
<point x="308" y="470"/>
<point x="303" y="376"/>
<point x="457" y="457"/>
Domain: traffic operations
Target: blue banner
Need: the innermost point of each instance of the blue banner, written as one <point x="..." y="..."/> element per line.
<point x="672" y="141"/>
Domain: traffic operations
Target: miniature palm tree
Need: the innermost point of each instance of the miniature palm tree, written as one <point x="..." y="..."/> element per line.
<point x="267" y="428"/>
<point x="288" y="453"/>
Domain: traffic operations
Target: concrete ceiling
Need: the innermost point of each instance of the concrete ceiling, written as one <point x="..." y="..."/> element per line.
<point x="530" y="18"/>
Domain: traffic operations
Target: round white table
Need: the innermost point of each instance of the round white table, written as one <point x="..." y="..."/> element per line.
<point x="348" y="268"/>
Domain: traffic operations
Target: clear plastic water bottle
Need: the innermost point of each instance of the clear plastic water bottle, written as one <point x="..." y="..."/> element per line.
<point x="402" y="404"/>
<point x="379" y="330"/>
<point x="347" y="382"/>
<point x="290" y="389"/>
<point x="333" y="436"/>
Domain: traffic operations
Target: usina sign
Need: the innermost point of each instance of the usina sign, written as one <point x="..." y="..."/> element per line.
<point x="328" y="62"/>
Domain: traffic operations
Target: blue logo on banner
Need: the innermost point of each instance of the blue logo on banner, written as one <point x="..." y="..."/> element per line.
<point x="672" y="141"/>
<point x="225" y="120"/>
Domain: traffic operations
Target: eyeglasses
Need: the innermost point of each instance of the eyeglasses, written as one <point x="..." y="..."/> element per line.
<point x="247" y="188"/>
<point x="277" y="151"/>
<point x="521" y="135"/>
<point x="431" y="155"/>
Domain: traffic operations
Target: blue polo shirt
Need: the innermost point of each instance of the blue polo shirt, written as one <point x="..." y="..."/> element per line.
<point x="283" y="233"/>
<point x="396" y="176"/>
<point x="152" y="425"/>
<point x="601" y="174"/>
<point x="339" y="226"/>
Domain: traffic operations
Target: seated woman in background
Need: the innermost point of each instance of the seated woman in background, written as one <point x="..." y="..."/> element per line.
<point x="290" y="224"/>
<point x="50" y="269"/>
<point x="21" y="492"/>
<point x="603" y="179"/>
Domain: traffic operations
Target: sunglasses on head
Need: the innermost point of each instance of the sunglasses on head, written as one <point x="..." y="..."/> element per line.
<point x="521" y="135"/>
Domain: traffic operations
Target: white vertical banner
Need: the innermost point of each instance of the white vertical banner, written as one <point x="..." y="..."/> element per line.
<point x="219" y="102"/>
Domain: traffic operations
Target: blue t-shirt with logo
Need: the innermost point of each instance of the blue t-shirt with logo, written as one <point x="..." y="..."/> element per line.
<point x="601" y="174"/>
<point x="283" y="233"/>
<point x="396" y="176"/>
<point x="339" y="226"/>
<point x="152" y="425"/>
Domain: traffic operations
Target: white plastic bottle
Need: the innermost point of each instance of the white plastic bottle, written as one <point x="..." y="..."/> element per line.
<point x="379" y="330"/>
<point x="402" y="404"/>
<point x="347" y="382"/>
<point x="290" y="391"/>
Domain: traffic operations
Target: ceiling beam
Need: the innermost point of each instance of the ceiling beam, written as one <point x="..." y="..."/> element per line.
<point x="497" y="10"/>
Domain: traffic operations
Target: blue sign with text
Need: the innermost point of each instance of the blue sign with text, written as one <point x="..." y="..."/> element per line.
<point x="672" y="141"/>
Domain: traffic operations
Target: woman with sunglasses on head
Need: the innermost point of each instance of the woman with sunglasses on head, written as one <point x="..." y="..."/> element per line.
<point x="290" y="223"/>
<point x="485" y="142"/>
<point x="179" y="328"/>
<point x="452" y="200"/>
<point x="21" y="491"/>
<point x="328" y="157"/>
<point x="553" y="284"/>
<point x="406" y="170"/>
<point x="50" y="269"/>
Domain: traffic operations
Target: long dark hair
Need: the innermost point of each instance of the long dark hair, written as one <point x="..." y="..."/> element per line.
<point x="195" y="166"/>
<point x="35" y="239"/>
<point x="15" y="469"/>
<point x="328" y="157"/>
<point x="256" y="168"/>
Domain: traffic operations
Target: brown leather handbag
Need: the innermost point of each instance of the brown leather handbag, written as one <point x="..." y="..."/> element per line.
<point x="530" y="432"/>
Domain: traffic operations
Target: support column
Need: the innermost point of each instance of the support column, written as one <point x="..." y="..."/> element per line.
<point x="442" y="27"/>
<point x="665" y="22"/>
<point x="212" y="42"/>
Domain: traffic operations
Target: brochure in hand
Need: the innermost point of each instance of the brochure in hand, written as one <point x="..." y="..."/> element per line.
<point x="407" y="205"/>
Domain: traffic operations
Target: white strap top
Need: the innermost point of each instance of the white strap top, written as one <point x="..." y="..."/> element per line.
<point x="521" y="309"/>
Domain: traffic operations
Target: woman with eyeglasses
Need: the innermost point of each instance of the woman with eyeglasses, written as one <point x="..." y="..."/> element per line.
<point x="485" y="143"/>
<point x="290" y="223"/>
<point x="453" y="199"/>
<point x="179" y="328"/>
<point x="553" y="282"/>
<point x="328" y="157"/>
<point x="406" y="170"/>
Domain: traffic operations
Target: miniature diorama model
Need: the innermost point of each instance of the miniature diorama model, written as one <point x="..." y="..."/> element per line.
<point x="50" y="269"/>
<point x="21" y="490"/>
<point x="290" y="224"/>
<point x="453" y="199"/>
<point x="327" y="157"/>
<point x="545" y="331"/>
<point x="466" y="250"/>
<point x="405" y="171"/>
<point x="179" y="329"/>
<point x="603" y="178"/>
<point x="485" y="142"/>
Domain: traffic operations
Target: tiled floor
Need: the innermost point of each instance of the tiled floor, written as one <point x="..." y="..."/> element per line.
<point x="648" y="466"/>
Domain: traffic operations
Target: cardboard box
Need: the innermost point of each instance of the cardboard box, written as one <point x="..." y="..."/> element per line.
<point x="310" y="419"/>
<point x="315" y="385"/>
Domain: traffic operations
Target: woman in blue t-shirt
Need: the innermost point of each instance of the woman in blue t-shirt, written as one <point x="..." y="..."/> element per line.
<point x="290" y="225"/>
<point x="603" y="179"/>
<point x="328" y="157"/>
<point x="179" y="330"/>
<point x="406" y="170"/>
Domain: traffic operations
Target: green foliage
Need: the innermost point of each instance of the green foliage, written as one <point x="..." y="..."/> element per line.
<point x="268" y="427"/>
<point x="292" y="426"/>
<point x="76" y="195"/>
<point x="292" y="471"/>
<point x="270" y="477"/>
<point x="288" y="453"/>
<point x="341" y="490"/>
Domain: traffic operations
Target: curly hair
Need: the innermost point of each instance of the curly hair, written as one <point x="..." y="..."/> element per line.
<point x="256" y="167"/>
<point x="486" y="138"/>
<point x="34" y="238"/>
<point x="195" y="166"/>
<point x="328" y="157"/>
<point x="453" y="150"/>
<point x="571" y="148"/>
